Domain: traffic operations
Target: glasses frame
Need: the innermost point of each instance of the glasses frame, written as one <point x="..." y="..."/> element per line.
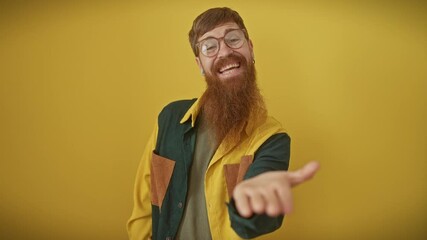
<point x="198" y="44"/>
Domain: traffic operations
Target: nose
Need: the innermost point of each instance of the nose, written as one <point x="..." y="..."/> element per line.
<point x="224" y="50"/>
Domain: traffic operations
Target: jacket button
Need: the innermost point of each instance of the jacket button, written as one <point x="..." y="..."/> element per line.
<point x="180" y="204"/>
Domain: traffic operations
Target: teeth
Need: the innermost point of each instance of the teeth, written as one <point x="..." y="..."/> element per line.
<point x="228" y="67"/>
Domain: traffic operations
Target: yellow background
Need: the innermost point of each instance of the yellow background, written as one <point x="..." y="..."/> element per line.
<point x="82" y="83"/>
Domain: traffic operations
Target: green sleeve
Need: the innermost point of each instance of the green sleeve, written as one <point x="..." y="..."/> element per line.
<point x="273" y="155"/>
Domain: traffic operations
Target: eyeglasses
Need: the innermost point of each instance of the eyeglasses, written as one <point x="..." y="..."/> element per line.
<point x="210" y="46"/>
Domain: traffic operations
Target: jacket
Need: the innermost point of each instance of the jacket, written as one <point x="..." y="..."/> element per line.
<point x="161" y="181"/>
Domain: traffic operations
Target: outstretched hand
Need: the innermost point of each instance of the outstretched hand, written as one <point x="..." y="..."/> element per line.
<point x="270" y="192"/>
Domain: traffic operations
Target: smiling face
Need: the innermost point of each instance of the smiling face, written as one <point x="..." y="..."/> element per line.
<point x="228" y="63"/>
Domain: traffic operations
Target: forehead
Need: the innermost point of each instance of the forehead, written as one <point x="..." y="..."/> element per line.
<point x="220" y="30"/>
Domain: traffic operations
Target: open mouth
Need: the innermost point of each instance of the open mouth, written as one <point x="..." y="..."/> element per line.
<point x="229" y="68"/>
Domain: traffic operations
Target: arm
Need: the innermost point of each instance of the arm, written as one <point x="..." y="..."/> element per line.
<point x="139" y="225"/>
<point x="256" y="207"/>
<point x="270" y="192"/>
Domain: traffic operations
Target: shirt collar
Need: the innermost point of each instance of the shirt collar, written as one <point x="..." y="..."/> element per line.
<point x="192" y="113"/>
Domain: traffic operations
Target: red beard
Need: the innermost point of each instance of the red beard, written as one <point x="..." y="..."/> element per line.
<point x="228" y="105"/>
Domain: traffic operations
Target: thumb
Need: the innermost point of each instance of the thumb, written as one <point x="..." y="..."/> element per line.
<point x="303" y="174"/>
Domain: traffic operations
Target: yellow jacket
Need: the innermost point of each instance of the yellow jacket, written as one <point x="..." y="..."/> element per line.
<point x="161" y="181"/>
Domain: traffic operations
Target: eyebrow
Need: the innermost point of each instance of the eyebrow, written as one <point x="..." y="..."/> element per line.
<point x="225" y="33"/>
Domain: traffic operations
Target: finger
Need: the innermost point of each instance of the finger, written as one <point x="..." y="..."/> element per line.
<point x="274" y="207"/>
<point x="241" y="201"/>
<point x="303" y="174"/>
<point x="257" y="202"/>
<point x="285" y="197"/>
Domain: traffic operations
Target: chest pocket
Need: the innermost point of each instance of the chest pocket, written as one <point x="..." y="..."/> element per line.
<point x="161" y="173"/>
<point x="234" y="173"/>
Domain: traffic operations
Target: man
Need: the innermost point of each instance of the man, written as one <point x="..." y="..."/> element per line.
<point x="215" y="167"/>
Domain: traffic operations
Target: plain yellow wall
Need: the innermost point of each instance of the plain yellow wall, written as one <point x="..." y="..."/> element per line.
<point x="82" y="83"/>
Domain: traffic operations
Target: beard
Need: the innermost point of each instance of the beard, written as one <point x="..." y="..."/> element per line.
<point x="227" y="105"/>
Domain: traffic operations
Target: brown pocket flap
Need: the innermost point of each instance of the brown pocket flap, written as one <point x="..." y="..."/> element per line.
<point x="161" y="173"/>
<point x="231" y="172"/>
<point x="234" y="173"/>
<point x="244" y="166"/>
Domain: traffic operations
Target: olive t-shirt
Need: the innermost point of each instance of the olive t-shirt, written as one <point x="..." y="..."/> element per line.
<point x="195" y="224"/>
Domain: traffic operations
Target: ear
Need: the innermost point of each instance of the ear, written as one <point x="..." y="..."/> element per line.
<point x="199" y="63"/>
<point x="251" y="47"/>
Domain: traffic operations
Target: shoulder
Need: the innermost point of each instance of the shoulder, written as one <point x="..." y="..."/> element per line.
<point x="270" y="127"/>
<point x="176" y="109"/>
<point x="276" y="132"/>
<point x="179" y="105"/>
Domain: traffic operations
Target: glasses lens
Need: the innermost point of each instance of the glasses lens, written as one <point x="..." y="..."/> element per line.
<point x="234" y="39"/>
<point x="209" y="47"/>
